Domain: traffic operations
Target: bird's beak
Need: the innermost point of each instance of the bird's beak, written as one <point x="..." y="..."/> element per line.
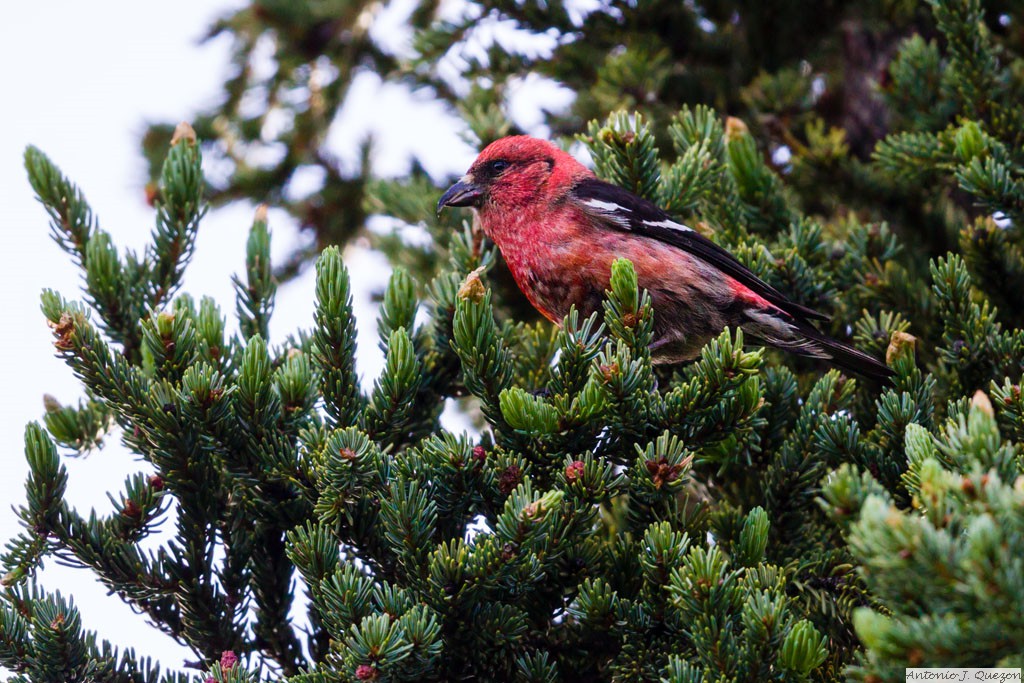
<point x="463" y="193"/>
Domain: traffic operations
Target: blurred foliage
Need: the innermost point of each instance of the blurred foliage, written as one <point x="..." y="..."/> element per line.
<point x="819" y="83"/>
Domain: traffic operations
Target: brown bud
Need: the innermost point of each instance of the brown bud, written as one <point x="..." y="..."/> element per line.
<point x="131" y="509"/>
<point x="608" y="372"/>
<point x="228" y="659"/>
<point x="183" y="133"/>
<point x="261" y="214"/>
<point x="510" y="479"/>
<point x="981" y="401"/>
<point x="62" y="330"/>
<point x="735" y="129"/>
<point x="472" y="287"/>
<point x="574" y="471"/>
<point x="152" y="191"/>
<point x="479" y="454"/>
<point x="51" y="404"/>
<point x="156" y="482"/>
<point x="347" y="454"/>
<point x="901" y="345"/>
<point x="662" y="473"/>
<point x="365" y="672"/>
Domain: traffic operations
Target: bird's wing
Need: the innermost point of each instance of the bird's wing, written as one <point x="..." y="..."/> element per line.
<point x="622" y="210"/>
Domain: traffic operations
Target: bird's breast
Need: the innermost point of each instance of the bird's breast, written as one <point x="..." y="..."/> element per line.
<point x="553" y="289"/>
<point x="556" y="270"/>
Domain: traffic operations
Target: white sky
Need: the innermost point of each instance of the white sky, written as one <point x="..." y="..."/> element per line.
<point x="81" y="80"/>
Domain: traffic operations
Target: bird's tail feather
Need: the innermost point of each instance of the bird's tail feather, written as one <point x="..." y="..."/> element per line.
<point x="802" y="338"/>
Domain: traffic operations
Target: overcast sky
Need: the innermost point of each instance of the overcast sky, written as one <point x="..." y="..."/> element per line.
<point x="82" y="79"/>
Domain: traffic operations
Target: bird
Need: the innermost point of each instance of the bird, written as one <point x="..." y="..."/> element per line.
<point x="559" y="229"/>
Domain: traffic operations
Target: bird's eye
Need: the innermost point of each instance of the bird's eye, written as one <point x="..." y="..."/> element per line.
<point x="499" y="165"/>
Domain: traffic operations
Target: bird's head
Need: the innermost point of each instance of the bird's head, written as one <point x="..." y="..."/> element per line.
<point x="512" y="172"/>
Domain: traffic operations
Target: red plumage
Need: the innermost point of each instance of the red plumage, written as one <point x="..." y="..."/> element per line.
<point x="560" y="228"/>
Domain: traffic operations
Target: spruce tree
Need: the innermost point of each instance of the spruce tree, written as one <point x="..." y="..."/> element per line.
<point x="745" y="517"/>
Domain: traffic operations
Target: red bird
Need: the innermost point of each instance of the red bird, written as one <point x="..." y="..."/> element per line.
<point x="560" y="228"/>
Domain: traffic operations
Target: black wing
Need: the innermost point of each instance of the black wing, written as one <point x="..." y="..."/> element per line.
<point x="624" y="210"/>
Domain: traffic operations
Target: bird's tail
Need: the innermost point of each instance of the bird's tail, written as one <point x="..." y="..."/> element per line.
<point x="779" y="329"/>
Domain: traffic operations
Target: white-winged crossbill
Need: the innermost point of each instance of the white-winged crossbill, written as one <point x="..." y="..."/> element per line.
<point x="560" y="228"/>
